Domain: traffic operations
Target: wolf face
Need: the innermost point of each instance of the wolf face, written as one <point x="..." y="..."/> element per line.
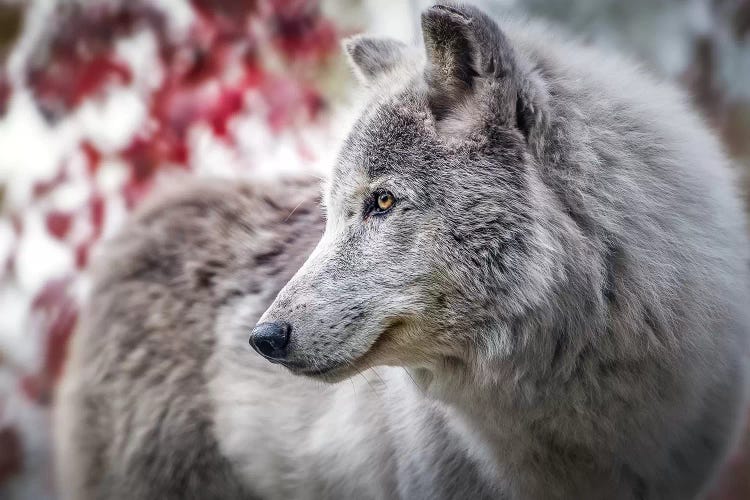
<point x="435" y="231"/>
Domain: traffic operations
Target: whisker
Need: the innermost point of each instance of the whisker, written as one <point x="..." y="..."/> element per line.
<point x="378" y="375"/>
<point x="419" y="388"/>
<point x="293" y="210"/>
<point x="364" y="377"/>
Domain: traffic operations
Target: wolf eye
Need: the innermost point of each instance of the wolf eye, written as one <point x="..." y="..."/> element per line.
<point x="384" y="201"/>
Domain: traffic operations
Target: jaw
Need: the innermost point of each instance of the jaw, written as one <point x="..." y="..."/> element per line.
<point x="395" y="346"/>
<point x="332" y="375"/>
<point x="348" y="366"/>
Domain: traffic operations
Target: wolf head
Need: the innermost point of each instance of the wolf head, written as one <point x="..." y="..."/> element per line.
<point x="435" y="237"/>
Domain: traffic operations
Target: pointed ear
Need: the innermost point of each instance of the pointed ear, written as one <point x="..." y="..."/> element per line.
<point x="370" y="57"/>
<point x="470" y="62"/>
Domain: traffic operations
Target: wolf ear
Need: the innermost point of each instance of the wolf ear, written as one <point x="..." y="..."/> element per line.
<point x="370" y="57"/>
<point x="470" y="62"/>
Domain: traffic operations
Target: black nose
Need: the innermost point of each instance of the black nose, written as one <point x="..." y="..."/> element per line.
<point x="271" y="339"/>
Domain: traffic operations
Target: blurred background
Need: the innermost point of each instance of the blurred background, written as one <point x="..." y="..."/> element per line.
<point x="102" y="99"/>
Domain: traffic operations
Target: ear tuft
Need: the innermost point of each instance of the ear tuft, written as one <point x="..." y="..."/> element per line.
<point x="370" y="57"/>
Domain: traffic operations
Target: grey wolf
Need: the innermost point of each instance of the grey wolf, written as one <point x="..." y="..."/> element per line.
<point x="532" y="282"/>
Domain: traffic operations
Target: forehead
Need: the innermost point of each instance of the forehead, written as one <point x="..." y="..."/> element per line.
<point x="390" y="137"/>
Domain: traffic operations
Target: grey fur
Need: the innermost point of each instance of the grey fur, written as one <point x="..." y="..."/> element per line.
<point x="556" y="304"/>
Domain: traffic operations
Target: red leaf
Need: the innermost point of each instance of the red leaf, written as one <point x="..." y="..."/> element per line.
<point x="75" y="58"/>
<point x="42" y="188"/>
<point x="93" y="156"/>
<point x="142" y="159"/>
<point x="97" y="206"/>
<point x="300" y="31"/>
<point x="67" y="81"/>
<point x="147" y="154"/>
<point x="135" y="192"/>
<point x="58" y="224"/>
<point x="229" y="103"/>
<point x="253" y="73"/>
<point x="92" y="75"/>
<point x="51" y="294"/>
<point x="82" y="255"/>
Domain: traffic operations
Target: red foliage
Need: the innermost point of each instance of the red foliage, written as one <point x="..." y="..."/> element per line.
<point x="97" y="206"/>
<point x="93" y="156"/>
<point x="205" y="77"/>
<point x="206" y="74"/>
<point x="76" y="60"/>
<point x="146" y="154"/>
<point x="58" y="224"/>
<point x="300" y="31"/>
<point x="82" y="255"/>
<point x="66" y="82"/>
<point x="42" y="188"/>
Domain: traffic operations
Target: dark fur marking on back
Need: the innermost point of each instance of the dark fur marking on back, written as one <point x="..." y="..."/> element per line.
<point x="267" y="257"/>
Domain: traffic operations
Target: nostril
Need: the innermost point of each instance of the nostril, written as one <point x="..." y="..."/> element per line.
<point x="271" y="339"/>
<point x="265" y="348"/>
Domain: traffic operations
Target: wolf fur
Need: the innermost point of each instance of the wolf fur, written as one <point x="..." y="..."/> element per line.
<point x="555" y="306"/>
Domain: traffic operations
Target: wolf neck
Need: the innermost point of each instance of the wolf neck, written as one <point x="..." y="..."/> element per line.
<point x="495" y="407"/>
<point x="479" y="399"/>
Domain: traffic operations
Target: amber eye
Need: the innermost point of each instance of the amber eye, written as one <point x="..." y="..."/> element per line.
<point x="384" y="200"/>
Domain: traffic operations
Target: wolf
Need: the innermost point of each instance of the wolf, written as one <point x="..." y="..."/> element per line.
<point x="531" y="282"/>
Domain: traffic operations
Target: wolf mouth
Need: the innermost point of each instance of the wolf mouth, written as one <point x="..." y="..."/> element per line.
<point x="304" y="369"/>
<point x="351" y="365"/>
<point x="317" y="371"/>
